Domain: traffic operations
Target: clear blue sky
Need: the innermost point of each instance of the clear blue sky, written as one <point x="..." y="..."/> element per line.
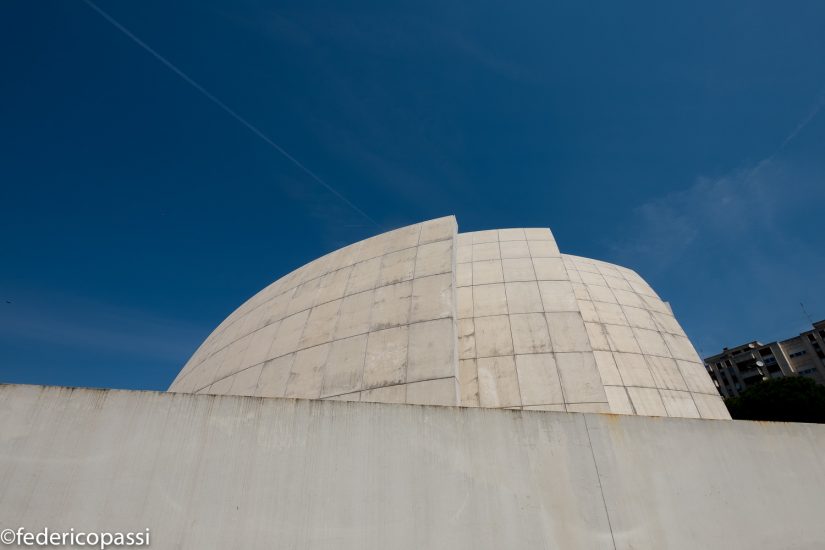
<point x="686" y="141"/>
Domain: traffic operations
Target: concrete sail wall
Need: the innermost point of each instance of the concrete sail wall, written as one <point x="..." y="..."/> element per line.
<point x="497" y="318"/>
<point x="374" y="321"/>
<point x="543" y="330"/>
<point x="219" y="472"/>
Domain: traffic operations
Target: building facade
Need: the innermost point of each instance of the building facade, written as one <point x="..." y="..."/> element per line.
<point x="427" y="315"/>
<point x="736" y="369"/>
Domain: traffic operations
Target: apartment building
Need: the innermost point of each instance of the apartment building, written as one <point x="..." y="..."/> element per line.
<point x="736" y="369"/>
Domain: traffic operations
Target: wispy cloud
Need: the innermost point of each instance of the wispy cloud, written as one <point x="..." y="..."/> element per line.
<point x="728" y="206"/>
<point x="745" y="201"/>
<point x="80" y="323"/>
<point x="812" y="114"/>
<point x="231" y="112"/>
<point x="737" y="253"/>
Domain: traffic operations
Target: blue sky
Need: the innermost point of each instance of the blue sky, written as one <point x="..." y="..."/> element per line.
<point x="686" y="141"/>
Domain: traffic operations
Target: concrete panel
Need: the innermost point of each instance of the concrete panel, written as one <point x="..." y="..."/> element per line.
<point x="588" y="407"/>
<point x="487" y="271"/>
<point x="486" y="252"/>
<point x="639" y="318"/>
<point x="493" y="336"/>
<point x="557" y="296"/>
<point x="434" y="258"/>
<point x="514" y="249"/>
<point x="723" y="474"/>
<point x="464" y="274"/>
<point x="567" y="331"/>
<point x="397" y="267"/>
<point x="392" y="306"/>
<point x="610" y="313"/>
<point x="580" y="379"/>
<point x="437" y="230"/>
<point x="543" y="249"/>
<point x="464" y="302"/>
<point x="696" y="377"/>
<point x="647" y="401"/>
<point x="489" y="300"/>
<point x="710" y="406"/>
<point x="320" y="325"/>
<point x="432" y="298"/>
<point x="634" y="370"/>
<point x="549" y="269"/>
<point x="618" y="400"/>
<point x="468" y="382"/>
<point x="333" y="285"/>
<point x="364" y="276"/>
<point x="516" y="234"/>
<point x="307" y="372"/>
<point x="530" y="333"/>
<point x="597" y="336"/>
<point x="466" y="339"/>
<point x="666" y="373"/>
<point x="498" y="382"/>
<point x="464" y="253"/>
<point x="587" y="309"/>
<point x="523" y="297"/>
<point x="227" y="472"/>
<point x="386" y="357"/>
<point x="538" y="379"/>
<point x="246" y="381"/>
<point x="386" y="394"/>
<point x="274" y="377"/>
<point x="355" y="315"/>
<point x="679" y="403"/>
<point x="443" y="391"/>
<point x="651" y="342"/>
<point x="601" y="294"/>
<point x="289" y="332"/>
<point x="344" y="368"/>
<point x="432" y="350"/>
<point x="622" y="339"/>
<point x="608" y="370"/>
<point x="259" y="345"/>
<point x="518" y="269"/>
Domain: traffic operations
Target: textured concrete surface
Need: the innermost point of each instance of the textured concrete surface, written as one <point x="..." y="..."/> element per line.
<point x="500" y="316"/>
<point x="375" y="314"/>
<point x="204" y="471"/>
<point x="542" y="330"/>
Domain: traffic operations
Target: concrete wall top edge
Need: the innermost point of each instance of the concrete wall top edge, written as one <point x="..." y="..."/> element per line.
<point x="96" y="396"/>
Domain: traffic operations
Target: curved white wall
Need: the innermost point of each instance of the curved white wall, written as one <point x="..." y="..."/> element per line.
<point x="374" y="320"/>
<point x="495" y="318"/>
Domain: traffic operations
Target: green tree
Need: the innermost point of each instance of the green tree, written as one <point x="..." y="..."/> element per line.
<point x="792" y="399"/>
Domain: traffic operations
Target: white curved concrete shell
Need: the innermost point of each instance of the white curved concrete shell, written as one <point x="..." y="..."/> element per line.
<point x="425" y="315"/>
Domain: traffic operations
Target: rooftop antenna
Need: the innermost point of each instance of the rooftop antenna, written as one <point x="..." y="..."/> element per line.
<point x="805" y="311"/>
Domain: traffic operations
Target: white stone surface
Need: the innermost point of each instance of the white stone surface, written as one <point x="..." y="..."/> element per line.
<point x="424" y="303"/>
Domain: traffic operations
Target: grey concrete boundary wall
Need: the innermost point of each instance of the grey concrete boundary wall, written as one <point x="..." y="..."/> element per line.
<point x="204" y="471"/>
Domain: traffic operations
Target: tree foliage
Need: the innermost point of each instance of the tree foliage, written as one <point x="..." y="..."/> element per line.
<point x="791" y="399"/>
